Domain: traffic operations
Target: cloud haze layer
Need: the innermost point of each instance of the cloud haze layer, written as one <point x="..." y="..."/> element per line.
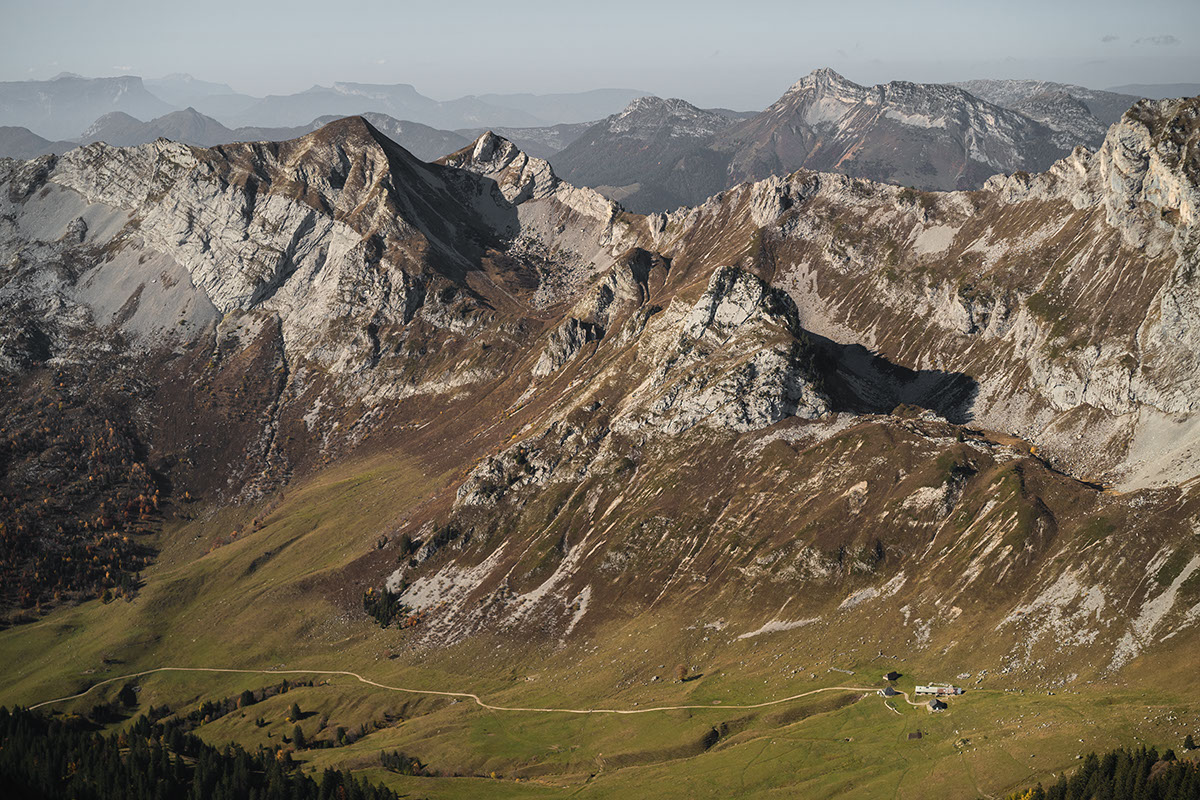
<point x="713" y="53"/>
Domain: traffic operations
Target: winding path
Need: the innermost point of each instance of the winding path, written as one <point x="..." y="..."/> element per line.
<point x="467" y="695"/>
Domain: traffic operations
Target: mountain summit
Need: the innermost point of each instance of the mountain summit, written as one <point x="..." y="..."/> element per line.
<point x="653" y="154"/>
<point x="929" y="136"/>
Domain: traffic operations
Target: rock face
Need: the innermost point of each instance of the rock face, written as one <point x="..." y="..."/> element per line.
<point x="423" y="141"/>
<point x="814" y="390"/>
<point x="741" y="362"/>
<point x="306" y="259"/>
<point x="565" y="343"/>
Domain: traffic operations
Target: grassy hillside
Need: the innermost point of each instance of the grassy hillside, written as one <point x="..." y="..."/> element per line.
<point x="288" y="596"/>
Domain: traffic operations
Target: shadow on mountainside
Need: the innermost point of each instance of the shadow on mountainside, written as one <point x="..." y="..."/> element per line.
<point x="862" y="382"/>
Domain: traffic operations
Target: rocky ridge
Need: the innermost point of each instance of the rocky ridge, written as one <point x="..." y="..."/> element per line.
<point x="1026" y="96"/>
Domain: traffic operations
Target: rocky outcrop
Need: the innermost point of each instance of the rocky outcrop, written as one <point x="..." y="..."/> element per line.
<point x="29" y="176"/>
<point x="1144" y="160"/>
<point x="565" y="343"/>
<point x="521" y="178"/>
<point x="737" y="360"/>
<point x="606" y="306"/>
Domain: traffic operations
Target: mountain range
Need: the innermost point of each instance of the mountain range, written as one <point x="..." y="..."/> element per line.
<point x="182" y="90"/>
<point x="730" y="317"/>
<point x="673" y="490"/>
<point x="655" y="154"/>
<point x="191" y="127"/>
<point x="402" y="101"/>
<point x="927" y="136"/>
<point x="66" y="105"/>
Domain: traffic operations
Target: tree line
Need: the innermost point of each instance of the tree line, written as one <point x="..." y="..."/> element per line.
<point x="76" y="493"/>
<point x="1124" y="775"/>
<point x="49" y="758"/>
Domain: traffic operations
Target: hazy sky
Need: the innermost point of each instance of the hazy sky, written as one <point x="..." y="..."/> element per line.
<point x="740" y="53"/>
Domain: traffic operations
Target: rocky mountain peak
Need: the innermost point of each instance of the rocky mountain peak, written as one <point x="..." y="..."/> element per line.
<point x="949" y="138"/>
<point x="519" y="176"/>
<point x="190" y="111"/>
<point x="654" y="104"/>
<point x="488" y="144"/>
<point x="822" y="79"/>
<point x="347" y="132"/>
<point x="825" y="89"/>
<point x="649" y="116"/>
<point x="822" y="96"/>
